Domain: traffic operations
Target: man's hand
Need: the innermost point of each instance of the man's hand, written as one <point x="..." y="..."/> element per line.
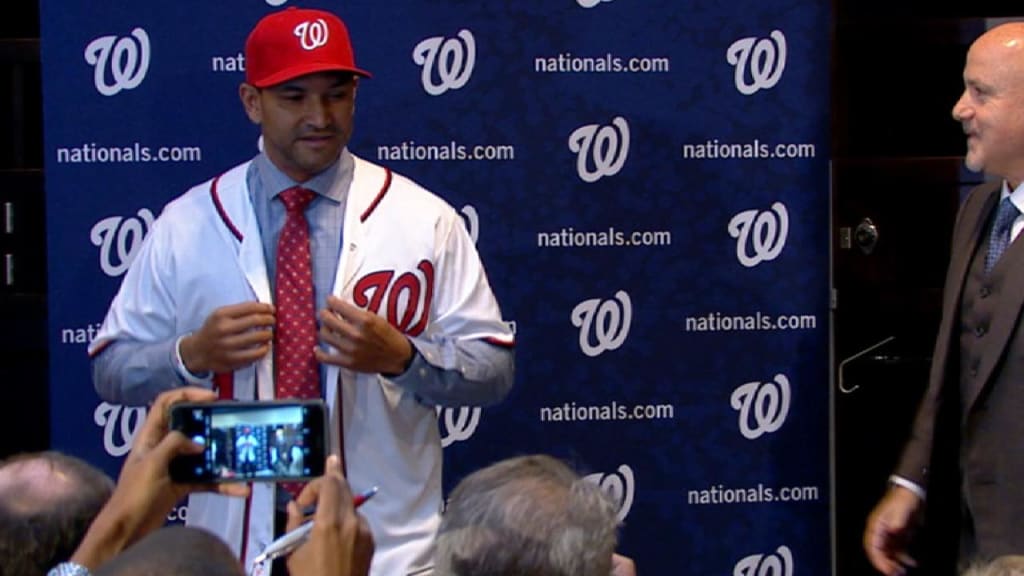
<point x="144" y="493"/>
<point x="232" y="337"/>
<point x="889" y="529"/>
<point x="340" y="543"/>
<point x="362" y="341"/>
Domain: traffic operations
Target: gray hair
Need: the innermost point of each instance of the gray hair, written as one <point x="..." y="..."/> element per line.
<point x="47" y="501"/>
<point x="1010" y="565"/>
<point x="527" y="516"/>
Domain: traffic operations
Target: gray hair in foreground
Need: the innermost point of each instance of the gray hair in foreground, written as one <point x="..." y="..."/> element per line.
<point x="1010" y="565"/>
<point x="527" y="516"/>
<point x="47" y="502"/>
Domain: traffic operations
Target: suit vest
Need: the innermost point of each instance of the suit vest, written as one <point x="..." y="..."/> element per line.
<point x="990" y="421"/>
<point x="977" y="308"/>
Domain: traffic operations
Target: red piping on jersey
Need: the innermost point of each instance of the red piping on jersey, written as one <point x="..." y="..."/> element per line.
<point x="101" y="348"/>
<point x="234" y="230"/>
<point x="224" y="385"/>
<point x="380" y="196"/>
<point x="245" y="523"/>
<point x="341" y="427"/>
<point x="220" y="210"/>
<point x="500" y="343"/>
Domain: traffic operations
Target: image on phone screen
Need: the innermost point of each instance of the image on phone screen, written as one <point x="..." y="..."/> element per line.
<point x="251" y="441"/>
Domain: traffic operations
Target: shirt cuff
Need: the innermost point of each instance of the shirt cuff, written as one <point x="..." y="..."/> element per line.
<point x="183" y="372"/>
<point x="68" y="569"/>
<point x="903" y="482"/>
<point x="415" y="372"/>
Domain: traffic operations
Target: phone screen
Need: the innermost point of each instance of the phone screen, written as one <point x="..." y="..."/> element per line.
<point x="272" y="441"/>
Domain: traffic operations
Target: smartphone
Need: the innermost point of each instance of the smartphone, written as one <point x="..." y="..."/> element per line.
<point x="268" y="441"/>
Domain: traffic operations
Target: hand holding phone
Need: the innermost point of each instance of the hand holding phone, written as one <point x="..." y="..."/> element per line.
<point x="143" y="496"/>
<point x="268" y="441"/>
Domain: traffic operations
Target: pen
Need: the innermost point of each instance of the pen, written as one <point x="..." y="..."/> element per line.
<point x="292" y="540"/>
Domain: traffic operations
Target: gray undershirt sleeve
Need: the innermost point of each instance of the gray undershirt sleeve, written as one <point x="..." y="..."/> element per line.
<point x="135" y="373"/>
<point x="463" y="373"/>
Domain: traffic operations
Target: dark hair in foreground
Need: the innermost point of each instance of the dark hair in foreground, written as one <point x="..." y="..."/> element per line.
<point x="47" y="501"/>
<point x="527" y="516"/>
<point x="175" y="551"/>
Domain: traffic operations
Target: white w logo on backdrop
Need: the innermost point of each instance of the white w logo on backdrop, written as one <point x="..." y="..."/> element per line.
<point x="606" y="146"/>
<point x="472" y="221"/>
<point x="119" y="239"/>
<point x="619" y="487"/>
<point x="778" y="564"/>
<point x="120" y="424"/>
<point x="127" y="61"/>
<point x="457" y="424"/>
<point x="608" y="320"/>
<point x="451" y="59"/>
<point x="763" y="406"/>
<point x="764" y="232"/>
<point x="764" y="59"/>
<point x="591" y="3"/>
<point x="312" y="34"/>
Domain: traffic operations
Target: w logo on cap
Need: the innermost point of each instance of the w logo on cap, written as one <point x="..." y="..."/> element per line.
<point x="273" y="56"/>
<point x="313" y="34"/>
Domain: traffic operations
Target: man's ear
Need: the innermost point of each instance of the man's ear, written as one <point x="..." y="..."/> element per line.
<point x="250" y="97"/>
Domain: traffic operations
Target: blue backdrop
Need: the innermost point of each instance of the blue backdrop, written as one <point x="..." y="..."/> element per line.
<point x="647" y="183"/>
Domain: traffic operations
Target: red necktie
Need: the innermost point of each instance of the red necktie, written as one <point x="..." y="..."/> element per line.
<point x="296" y="374"/>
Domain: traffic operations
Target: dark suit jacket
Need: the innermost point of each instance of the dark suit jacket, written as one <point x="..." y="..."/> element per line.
<point x="989" y="418"/>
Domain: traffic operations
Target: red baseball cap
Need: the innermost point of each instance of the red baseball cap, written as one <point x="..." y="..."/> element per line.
<point x="295" y="42"/>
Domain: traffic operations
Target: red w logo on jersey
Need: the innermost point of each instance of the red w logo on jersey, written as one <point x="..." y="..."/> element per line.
<point x="407" y="297"/>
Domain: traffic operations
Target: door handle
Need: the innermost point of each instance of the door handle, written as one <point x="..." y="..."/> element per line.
<point x="866" y="236"/>
<point x="842" y="365"/>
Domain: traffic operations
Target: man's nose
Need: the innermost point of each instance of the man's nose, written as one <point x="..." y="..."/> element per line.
<point x="318" y="112"/>
<point x="961" y="109"/>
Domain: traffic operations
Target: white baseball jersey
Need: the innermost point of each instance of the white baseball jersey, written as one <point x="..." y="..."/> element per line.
<point x="406" y="256"/>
